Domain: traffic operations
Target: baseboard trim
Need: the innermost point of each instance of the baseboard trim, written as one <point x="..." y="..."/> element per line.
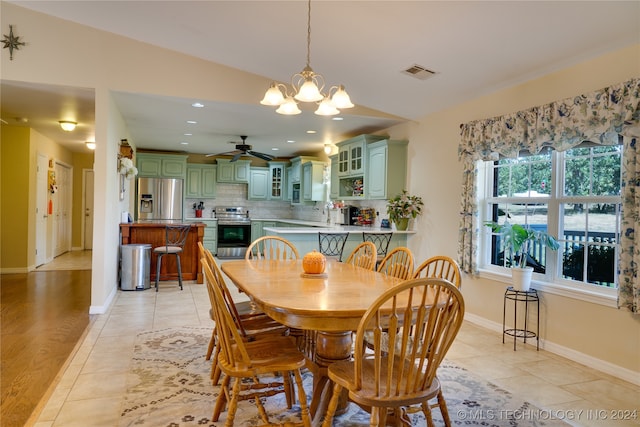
<point x="15" y="270"/>
<point x="102" y="309"/>
<point x="576" y="356"/>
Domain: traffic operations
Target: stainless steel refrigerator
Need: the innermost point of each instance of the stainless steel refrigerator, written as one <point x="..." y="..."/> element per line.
<point x="159" y="199"/>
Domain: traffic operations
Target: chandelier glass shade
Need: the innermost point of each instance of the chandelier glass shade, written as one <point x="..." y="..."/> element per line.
<point x="307" y="86"/>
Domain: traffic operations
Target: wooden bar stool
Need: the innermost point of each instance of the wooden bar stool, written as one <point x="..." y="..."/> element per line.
<point x="175" y="238"/>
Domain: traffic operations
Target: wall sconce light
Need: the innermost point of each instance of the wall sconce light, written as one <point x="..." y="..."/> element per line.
<point x="327" y="148"/>
<point x="91" y="145"/>
<point x="67" y="125"/>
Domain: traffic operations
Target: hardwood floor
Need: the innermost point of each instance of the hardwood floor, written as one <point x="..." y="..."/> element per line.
<point x="44" y="315"/>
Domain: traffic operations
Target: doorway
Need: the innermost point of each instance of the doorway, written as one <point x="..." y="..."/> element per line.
<point x="41" y="209"/>
<point x="62" y="199"/>
<point x="87" y="196"/>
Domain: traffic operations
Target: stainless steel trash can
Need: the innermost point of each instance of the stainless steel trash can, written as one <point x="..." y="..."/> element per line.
<point x="135" y="266"/>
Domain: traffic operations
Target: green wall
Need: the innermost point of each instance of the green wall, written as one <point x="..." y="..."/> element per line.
<point x="14" y="197"/>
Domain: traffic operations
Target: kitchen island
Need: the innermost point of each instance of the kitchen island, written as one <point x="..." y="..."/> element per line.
<point x="153" y="233"/>
<point x="306" y="238"/>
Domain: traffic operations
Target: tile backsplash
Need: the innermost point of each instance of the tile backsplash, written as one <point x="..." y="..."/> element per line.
<point x="236" y="195"/>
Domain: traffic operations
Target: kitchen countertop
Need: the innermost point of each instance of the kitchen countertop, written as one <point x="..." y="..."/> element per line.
<point x="312" y="227"/>
<point x="334" y="229"/>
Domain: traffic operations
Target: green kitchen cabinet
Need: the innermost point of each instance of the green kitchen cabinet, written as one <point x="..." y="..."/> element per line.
<point x="258" y="184"/>
<point x="161" y="165"/>
<point x="257" y="228"/>
<point x="233" y="172"/>
<point x="277" y="180"/>
<point x="201" y="181"/>
<point x="386" y="169"/>
<point x="313" y="186"/>
<point x="334" y="189"/>
<point x="303" y="190"/>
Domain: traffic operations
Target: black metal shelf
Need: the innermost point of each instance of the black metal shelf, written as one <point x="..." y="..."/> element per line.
<point x="526" y="297"/>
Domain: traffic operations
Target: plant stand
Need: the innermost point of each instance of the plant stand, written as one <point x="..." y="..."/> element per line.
<point x="528" y="297"/>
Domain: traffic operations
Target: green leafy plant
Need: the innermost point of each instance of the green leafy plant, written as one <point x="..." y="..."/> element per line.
<point x="519" y="240"/>
<point x="404" y="206"/>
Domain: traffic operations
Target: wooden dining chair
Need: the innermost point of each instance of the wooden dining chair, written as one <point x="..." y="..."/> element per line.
<point x="442" y="267"/>
<point x="364" y="256"/>
<point x="332" y="244"/>
<point x="252" y="322"/>
<point x="398" y="263"/>
<point x="247" y="361"/>
<point x="175" y="238"/>
<point x="271" y="247"/>
<point x="427" y="315"/>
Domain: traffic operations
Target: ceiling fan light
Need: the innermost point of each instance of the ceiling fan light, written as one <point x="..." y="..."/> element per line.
<point x="288" y="107"/>
<point x="273" y="96"/>
<point x="341" y="98"/>
<point x="326" y="108"/>
<point x="67" y="125"/>
<point x="308" y="92"/>
<point x="91" y="145"/>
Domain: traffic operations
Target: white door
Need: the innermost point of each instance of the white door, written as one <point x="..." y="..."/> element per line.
<point x="88" y="209"/>
<point x="41" y="209"/>
<point x="62" y="210"/>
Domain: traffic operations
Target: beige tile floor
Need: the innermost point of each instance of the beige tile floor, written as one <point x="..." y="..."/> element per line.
<point x="91" y="389"/>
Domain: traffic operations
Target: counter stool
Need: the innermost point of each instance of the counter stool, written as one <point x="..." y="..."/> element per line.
<point x="332" y="244"/>
<point x="381" y="240"/>
<point x="175" y="238"/>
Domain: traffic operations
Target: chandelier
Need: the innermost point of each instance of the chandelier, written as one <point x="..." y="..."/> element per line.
<point x="307" y="86"/>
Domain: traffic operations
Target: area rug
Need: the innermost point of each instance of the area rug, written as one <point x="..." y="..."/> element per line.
<point x="168" y="385"/>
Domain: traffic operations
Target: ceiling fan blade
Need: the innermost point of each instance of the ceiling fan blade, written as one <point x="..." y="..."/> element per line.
<point x="237" y="156"/>
<point x="226" y="153"/>
<point x="262" y="156"/>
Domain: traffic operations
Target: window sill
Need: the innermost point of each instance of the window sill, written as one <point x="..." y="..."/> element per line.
<point x="606" y="297"/>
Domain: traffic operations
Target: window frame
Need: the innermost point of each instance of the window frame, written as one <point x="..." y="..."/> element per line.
<point x="550" y="282"/>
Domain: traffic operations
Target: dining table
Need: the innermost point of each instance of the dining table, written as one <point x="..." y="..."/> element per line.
<point x="326" y="307"/>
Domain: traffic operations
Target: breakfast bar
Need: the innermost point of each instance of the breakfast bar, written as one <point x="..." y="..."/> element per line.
<point x="153" y="233"/>
<point x="306" y="238"/>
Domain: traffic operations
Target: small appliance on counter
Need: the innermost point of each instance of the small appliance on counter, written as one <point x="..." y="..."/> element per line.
<point x="350" y="215"/>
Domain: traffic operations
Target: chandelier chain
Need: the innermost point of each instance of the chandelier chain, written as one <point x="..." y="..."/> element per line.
<point x="309" y="35"/>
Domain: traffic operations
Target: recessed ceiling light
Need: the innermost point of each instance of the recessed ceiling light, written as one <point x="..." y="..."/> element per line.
<point x="337" y="118"/>
<point x="191" y="122"/>
<point x="290" y="141"/>
<point x="275" y="149"/>
<point x="187" y="134"/>
<point x="197" y="105"/>
<point x="184" y="143"/>
<point x="311" y="131"/>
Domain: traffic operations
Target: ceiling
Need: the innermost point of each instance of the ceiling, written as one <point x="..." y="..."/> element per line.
<point x="474" y="48"/>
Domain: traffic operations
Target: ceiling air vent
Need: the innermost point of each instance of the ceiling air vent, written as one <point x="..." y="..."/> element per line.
<point x="419" y="72"/>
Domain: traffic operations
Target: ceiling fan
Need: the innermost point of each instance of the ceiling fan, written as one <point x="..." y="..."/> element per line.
<point x="243" y="149"/>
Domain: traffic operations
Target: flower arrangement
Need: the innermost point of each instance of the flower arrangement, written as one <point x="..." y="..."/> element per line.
<point x="404" y="206"/>
<point x="127" y="169"/>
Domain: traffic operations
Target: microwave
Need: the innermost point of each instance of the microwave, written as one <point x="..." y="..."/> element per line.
<point x="295" y="193"/>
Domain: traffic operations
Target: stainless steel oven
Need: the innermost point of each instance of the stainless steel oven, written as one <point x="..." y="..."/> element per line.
<point x="234" y="231"/>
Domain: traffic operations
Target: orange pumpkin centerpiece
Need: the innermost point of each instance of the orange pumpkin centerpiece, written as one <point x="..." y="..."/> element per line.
<point x="314" y="262"/>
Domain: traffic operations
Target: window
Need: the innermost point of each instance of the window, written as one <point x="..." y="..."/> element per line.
<point x="574" y="195"/>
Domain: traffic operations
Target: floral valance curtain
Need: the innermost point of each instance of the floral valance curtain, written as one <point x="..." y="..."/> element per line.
<point x="601" y="117"/>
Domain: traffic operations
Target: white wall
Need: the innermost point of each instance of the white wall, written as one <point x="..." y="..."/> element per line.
<point x="593" y="334"/>
<point x="604" y="337"/>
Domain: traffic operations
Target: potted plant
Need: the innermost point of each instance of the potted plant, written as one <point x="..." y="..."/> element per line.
<point x="518" y="241"/>
<point x="402" y="207"/>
